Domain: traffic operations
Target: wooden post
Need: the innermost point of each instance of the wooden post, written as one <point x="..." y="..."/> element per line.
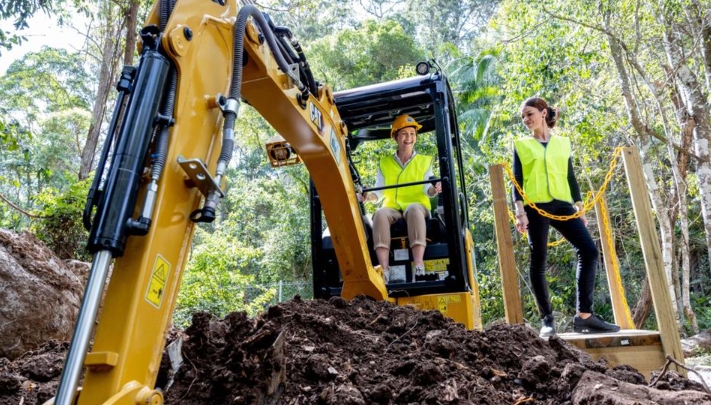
<point x="504" y="243"/>
<point x="649" y="239"/>
<point x="620" y="308"/>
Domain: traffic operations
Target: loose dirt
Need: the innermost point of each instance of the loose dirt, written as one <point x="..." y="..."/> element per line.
<point x="366" y="352"/>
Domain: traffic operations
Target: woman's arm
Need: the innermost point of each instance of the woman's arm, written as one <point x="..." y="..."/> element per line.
<point x="518" y="175"/>
<point x="375" y="196"/>
<point x="573" y="184"/>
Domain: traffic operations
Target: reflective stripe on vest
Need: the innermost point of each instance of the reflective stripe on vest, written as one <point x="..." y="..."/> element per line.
<point x="415" y="170"/>
<point x="545" y="168"/>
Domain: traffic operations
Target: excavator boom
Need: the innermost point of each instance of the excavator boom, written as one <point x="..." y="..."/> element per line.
<point x="170" y="142"/>
<point x="162" y="171"/>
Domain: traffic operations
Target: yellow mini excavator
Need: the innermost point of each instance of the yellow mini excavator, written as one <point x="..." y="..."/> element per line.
<point x="162" y="170"/>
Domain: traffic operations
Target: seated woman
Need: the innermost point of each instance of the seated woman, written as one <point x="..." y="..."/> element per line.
<point x="410" y="202"/>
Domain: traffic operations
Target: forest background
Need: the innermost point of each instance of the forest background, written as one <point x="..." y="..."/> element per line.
<point x="622" y="72"/>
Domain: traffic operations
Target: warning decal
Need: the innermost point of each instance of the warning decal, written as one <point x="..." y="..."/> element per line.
<point x="442" y="304"/>
<point x="156" y="286"/>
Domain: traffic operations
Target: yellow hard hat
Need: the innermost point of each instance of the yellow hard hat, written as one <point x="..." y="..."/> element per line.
<point x="403" y="121"/>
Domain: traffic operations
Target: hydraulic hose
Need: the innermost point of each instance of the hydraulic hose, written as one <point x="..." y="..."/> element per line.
<point x="242" y="16"/>
<point x="161" y="143"/>
<point x="230" y="105"/>
<point x="305" y="67"/>
<point x="166" y="9"/>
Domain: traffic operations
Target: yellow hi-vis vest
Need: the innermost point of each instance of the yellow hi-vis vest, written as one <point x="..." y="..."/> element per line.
<point x="545" y="169"/>
<point x="415" y="170"/>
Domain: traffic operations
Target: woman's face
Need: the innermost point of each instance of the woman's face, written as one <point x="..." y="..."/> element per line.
<point x="406" y="139"/>
<point x="533" y="118"/>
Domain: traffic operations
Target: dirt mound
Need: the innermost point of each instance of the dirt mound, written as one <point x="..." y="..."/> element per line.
<point x="367" y="352"/>
<point x="40" y="294"/>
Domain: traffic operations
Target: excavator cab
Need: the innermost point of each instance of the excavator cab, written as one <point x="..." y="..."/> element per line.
<point x="368" y="113"/>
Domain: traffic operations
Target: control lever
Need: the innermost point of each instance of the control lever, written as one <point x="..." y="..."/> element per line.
<point x="439" y="212"/>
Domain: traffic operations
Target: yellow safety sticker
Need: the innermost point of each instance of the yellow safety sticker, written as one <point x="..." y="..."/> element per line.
<point x="436" y="265"/>
<point x="156" y="286"/>
<point x="442" y="304"/>
<point x="444" y="301"/>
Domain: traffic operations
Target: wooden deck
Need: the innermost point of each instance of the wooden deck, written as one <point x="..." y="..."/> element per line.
<point x="641" y="349"/>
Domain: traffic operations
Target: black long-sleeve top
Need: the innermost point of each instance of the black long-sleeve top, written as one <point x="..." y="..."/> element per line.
<point x="518" y="175"/>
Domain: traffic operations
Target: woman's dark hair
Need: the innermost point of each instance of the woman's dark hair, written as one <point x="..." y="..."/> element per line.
<point x="541" y="104"/>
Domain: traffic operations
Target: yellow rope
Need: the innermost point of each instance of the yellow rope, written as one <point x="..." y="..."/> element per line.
<point x="608" y="231"/>
<point x="613" y="256"/>
<point x="590" y="203"/>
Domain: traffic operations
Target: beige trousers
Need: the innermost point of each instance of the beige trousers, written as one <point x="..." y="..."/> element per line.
<point x="415" y="216"/>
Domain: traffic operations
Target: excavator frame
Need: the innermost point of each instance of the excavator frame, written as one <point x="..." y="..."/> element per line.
<point x="368" y="112"/>
<point x="162" y="171"/>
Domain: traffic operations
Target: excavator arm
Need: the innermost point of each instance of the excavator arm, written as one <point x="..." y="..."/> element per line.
<point x="169" y="144"/>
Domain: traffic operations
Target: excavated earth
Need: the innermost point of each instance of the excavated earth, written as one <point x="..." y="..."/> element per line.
<point x="313" y="352"/>
<point x="366" y="352"/>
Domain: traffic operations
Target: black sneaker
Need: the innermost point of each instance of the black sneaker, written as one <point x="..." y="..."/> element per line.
<point x="547" y="326"/>
<point x="593" y="324"/>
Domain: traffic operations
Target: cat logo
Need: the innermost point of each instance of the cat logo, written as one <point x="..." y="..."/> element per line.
<point x="316" y="117"/>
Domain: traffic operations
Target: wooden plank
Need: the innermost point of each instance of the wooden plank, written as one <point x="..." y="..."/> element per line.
<point x="627" y="337"/>
<point x="507" y="265"/>
<point x="651" y="250"/>
<point x="620" y="308"/>
<point x="643" y="358"/>
<point x="641" y="349"/>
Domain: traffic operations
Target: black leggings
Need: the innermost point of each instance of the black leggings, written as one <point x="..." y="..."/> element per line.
<point x="574" y="232"/>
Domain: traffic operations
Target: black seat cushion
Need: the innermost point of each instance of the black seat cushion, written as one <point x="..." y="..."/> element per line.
<point x="435" y="230"/>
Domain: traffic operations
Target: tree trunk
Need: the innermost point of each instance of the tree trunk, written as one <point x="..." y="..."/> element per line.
<point x="700" y="19"/>
<point x="131" y="16"/>
<point x="697" y="107"/>
<point x="645" y="133"/>
<point x="643" y="307"/>
<point x="106" y="75"/>
<point x="686" y="123"/>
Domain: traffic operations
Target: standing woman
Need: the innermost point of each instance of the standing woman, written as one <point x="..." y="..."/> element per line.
<point x="543" y="166"/>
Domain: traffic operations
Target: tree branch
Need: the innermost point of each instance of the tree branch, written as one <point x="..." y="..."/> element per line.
<point x="616" y="42"/>
<point x="11" y="204"/>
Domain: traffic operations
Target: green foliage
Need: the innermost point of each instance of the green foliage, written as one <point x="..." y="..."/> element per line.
<point x="60" y="220"/>
<point x="490" y="293"/>
<point x="48" y="81"/>
<point x="20" y="11"/>
<point x="368" y="55"/>
<point x="46" y="112"/>
<point x="11" y="132"/>
<point x="216" y="277"/>
<point x="311" y="20"/>
<point x="701" y="303"/>
<point x="443" y="26"/>
<point x="271" y="214"/>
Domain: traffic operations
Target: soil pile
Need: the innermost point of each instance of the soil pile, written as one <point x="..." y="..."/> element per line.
<point x="40" y="294"/>
<point x="362" y="352"/>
